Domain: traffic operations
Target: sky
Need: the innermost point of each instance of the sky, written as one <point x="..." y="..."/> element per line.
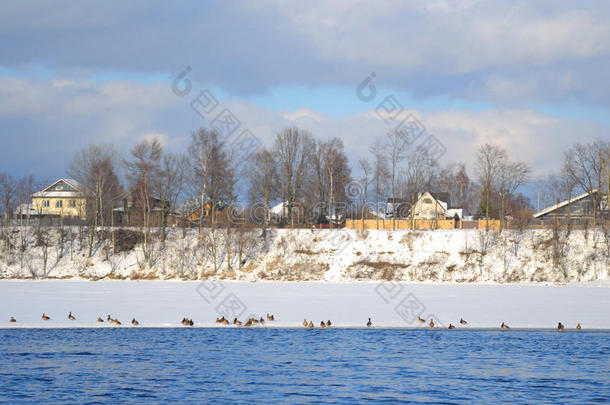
<point x="532" y="77"/>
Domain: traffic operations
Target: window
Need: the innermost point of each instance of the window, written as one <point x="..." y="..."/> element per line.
<point x="46" y="203"/>
<point x="72" y="203"/>
<point x="58" y="204"/>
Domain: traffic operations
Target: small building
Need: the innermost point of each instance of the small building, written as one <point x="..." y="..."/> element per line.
<point x="63" y="198"/>
<point x="577" y="208"/>
<point x="396" y="207"/>
<point x="128" y="210"/>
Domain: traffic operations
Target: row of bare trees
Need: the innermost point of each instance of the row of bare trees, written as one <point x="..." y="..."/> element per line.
<point x="301" y="172"/>
<point x="304" y="174"/>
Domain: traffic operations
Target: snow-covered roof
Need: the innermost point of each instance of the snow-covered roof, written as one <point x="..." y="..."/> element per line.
<point x="452" y="211"/>
<point x="279" y="208"/>
<point x="55" y="189"/>
<point x="563" y="204"/>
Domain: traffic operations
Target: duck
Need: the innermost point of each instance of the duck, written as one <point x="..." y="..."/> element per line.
<point x="99" y="319"/>
<point x="463" y="322"/>
<point x="220" y="320"/>
<point x="431" y="323"/>
<point x="322" y="325"/>
<point x="578" y="327"/>
<point x="12" y="320"/>
<point x="225" y="321"/>
<point x="262" y="321"/>
<point x="236" y="322"/>
<point x="310" y="325"/>
<point x="190" y="322"/>
<point x="134" y="322"/>
<point x="559" y="327"/>
<point x="305" y="322"/>
<point x="328" y="323"/>
<point x="109" y="319"/>
<point x="116" y="322"/>
<point x="451" y="326"/>
<point x="248" y="323"/>
<point x="420" y="319"/>
<point x="183" y="321"/>
<point x="504" y="326"/>
<point x="44" y="317"/>
<point x="71" y="317"/>
<point x="254" y="320"/>
<point x="369" y="323"/>
<point x="270" y="317"/>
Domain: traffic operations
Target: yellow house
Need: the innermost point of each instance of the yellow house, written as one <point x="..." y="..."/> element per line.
<point x="63" y="198"/>
<point x="428" y="207"/>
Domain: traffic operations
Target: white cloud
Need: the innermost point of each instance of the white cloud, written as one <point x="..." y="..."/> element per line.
<point x="48" y="122"/>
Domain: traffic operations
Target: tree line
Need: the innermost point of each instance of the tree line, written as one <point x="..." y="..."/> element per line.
<point x="313" y="178"/>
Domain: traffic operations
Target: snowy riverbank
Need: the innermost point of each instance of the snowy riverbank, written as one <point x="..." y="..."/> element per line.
<point x="347" y="304"/>
<point x="317" y="255"/>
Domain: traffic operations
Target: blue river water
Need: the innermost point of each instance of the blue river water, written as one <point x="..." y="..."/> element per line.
<point x="302" y="366"/>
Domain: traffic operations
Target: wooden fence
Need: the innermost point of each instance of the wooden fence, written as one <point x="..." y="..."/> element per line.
<point x="423" y="224"/>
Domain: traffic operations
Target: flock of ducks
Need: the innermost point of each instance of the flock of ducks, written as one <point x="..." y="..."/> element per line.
<point x="323" y="324"/>
<point x="251" y="321"/>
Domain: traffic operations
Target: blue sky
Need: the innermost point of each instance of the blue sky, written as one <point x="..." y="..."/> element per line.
<point x="533" y="77"/>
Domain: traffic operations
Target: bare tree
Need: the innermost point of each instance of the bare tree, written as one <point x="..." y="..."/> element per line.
<point x="455" y="180"/>
<point x="142" y="174"/>
<point x="487" y="168"/>
<point x="418" y="174"/>
<point x="170" y="186"/>
<point x="208" y="161"/>
<point x="511" y="176"/>
<point x="365" y="181"/>
<point x="337" y="173"/>
<point x="263" y="179"/>
<point x="380" y="174"/>
<point x="587" y="165"/>
<point x="8" y="187"/>
<point x="94" y="169"/>
<point x="396" y="147"/>
<point x="291" y="148"/>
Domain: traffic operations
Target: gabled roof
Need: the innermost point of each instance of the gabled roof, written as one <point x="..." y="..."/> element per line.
<point x="563" y="204"/>
<point x="75" y="189"/>
<point x="441" y="204"/>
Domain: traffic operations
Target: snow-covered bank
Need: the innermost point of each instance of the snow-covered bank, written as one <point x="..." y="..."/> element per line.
<point x="330" y="255"/>
<point x="346" y="304"/>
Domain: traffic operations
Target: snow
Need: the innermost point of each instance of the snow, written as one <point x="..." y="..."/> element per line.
<point x="347" y="304"/>
<point x="460" y="256"/>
